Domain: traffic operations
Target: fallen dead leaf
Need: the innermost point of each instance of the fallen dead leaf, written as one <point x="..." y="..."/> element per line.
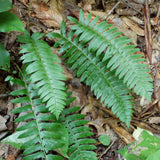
<point x="11" y="157"/>
<point x="48" y="14"/>
<point x="133" y="26"/>
<point x="2" y="123"/>
<point x="157" y="87"/>
<point x="78" y="92"/>
<point x="155" y="120"/>
<point x="122" y="133"/>
<point x="4" y="150"/>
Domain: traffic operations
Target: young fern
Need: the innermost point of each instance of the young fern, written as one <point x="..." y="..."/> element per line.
<point x="44" y="70"/>
<point x="40" y="134"/>
<point x="102" y="59"/>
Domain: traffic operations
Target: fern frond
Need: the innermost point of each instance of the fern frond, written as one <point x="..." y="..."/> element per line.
<point x="96" y="74"/>
<point x="104" y="40"/>
<point x="44" y="70"/>
<point x="40" y="134"/>
<point x="80" y="145"/>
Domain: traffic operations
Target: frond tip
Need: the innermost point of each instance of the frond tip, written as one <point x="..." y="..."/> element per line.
<point x="45" y="71"/>
<point x="115" y="47"/>
<point x="80" y="145"/>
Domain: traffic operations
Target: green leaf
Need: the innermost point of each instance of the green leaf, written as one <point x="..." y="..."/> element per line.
<point x="104" y="139"/>
<point x="5" y="5"/>
<point x="5" y="57"/>
<point x="154" y="156"/>
<point x="152" y="144"/>
<point x="54" y="157"/>
<point x="9" y="22"/>
<point x="15" y="141"/>
<point x="125" y="154"/>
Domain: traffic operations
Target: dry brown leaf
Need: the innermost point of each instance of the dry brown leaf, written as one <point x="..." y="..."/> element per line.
<point x="89" y="108"/>
<point x="11" y="157"/>
<point x="4" y="150"/>
<point x="155" y="120"/>
<point x="99" y="13"/>
<point x="122" y="133"/>
<point x="136" y="20"/>
<point x="157" y="87"/>
<point x="78" y="92"/>
<point x="2" y="123"/>
<point x="144" y="125"/>
<point x="102" y="127"/>
<point x="133" y="26"/>
<point x="66" y="73"/>
<point x="48" y="14"/>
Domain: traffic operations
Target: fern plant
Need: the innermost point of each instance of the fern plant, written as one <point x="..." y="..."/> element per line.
<point x="105" y="61"/>
<point x="42" y="132"/>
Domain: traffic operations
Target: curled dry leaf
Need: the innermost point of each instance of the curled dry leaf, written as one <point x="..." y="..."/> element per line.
<point x="101" y="14"/>
<point x="129" y="33"/>
<point x="103" y="128"/>
<point x="136" y="20"/>
<point x="122" y="133"/>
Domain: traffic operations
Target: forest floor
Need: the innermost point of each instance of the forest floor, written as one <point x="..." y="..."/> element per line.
<point x="138" y="20"/>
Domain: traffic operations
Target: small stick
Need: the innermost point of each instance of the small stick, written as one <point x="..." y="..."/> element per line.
<point x="105" y="17"/>
<point x="29" y="15"/>
<point x="131" y="6"/>
<point x="106" y="150"/>
<point x="148" y="31"/>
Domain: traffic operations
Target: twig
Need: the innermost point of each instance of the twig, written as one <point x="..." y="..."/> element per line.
<point x="158" y="13"/>
<point x="148" y="31"/>
<point x="105" y="17"/>
<point x="4" y="95"/>
<point x="29" y="14"/>
<point x="131" y="6"/>
<point x="106" y="150"/>
<point x="149" y="107"/>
